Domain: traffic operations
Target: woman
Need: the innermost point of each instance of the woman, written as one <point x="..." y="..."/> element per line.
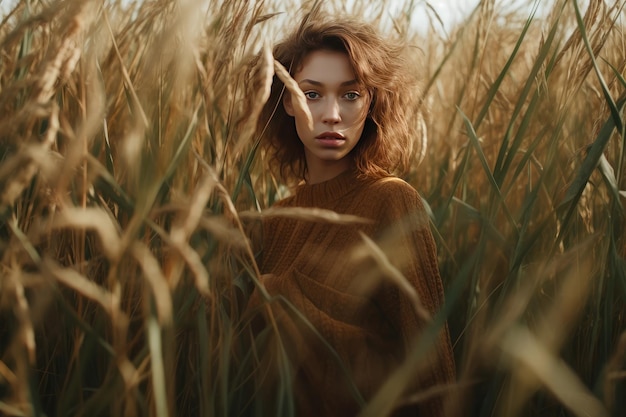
<point x="343" y="310"/>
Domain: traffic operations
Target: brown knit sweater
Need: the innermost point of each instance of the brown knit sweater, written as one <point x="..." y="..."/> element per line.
<point x="351" y="307"/>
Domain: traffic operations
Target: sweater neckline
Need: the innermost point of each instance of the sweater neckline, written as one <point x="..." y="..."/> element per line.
<point x="327" y="191"/>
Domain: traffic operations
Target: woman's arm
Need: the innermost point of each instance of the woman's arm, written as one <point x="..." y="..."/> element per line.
<point x="406" y="239"/>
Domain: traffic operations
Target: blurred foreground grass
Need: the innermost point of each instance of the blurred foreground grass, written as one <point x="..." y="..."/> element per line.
<point x="128" y="154"/>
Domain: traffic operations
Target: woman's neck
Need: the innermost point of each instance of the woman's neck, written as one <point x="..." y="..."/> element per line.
<point x="322" y="172"/>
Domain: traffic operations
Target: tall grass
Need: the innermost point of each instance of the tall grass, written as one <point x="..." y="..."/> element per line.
<point x="128" y="158"/>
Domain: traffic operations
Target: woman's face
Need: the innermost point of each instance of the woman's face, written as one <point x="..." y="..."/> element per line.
<point x="338" y="104"/>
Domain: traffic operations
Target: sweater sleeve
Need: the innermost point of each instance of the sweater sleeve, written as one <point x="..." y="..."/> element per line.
<point x="406" y="239"/>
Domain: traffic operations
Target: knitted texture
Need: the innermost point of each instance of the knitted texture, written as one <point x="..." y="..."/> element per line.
<point x="327" y="273"/>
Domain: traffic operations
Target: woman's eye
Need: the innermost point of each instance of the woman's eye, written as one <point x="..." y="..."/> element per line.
<point x="311" y="95"/>
<point x="352" y="95"/>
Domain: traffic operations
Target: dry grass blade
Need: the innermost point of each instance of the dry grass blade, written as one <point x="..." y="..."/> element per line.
<point x="573" y="293"/>
<point x="574" y="272"/>
<point x="15" y="175"/>
<point x="298" y="99"/>
<point x="263" y="86"/>
<point x="312" y="214"/>
<point x="12" y="411"/>
<point x="158" y="369"/>
<point x="612" y="371"/>
<point x="66" y="56"/>
<point x="95" y="219"/>
<point x="434" y="392"/>
<point x="7" y="374"/>
<point x="17" y="172"/>
<point x="26" y="326"/>
<point x="189" y="221"/>
<point x="26" y="333"/>
<point x="521" y="345"/>
<point x="224" y="232"/>
<point x="156" y="279"/>
<point x="193" y="260"/>
<point x="127" y="79"/>
<point x="371" y="249"/>
<point x="82" y="285"/>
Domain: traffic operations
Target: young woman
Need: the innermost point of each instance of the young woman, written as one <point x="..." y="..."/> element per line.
<point x="344" y="310"/>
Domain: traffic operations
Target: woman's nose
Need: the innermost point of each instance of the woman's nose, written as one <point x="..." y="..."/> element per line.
<point x="331" y="112"/>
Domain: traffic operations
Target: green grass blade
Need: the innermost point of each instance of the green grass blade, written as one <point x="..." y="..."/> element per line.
<point x="499" y="170"/>
<point x="615" y="111"/>
<point x="620" y="158"/>
<point x="491" y="93"/>
<point x="458" y="176"/>
<point x="483" y="161"/>
<point x="594" y="153"/>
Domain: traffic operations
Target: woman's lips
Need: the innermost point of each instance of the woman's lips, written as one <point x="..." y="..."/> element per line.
<point x="330" y="139"/>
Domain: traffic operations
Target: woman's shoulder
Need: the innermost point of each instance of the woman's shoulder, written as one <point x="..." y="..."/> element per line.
<point x="397" y="200"/>
<point x="393" y="189"/>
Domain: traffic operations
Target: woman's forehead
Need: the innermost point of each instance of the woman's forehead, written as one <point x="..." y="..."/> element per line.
<point x="323" y="64"/>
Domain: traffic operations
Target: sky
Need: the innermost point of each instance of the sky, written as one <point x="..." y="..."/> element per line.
<point x="450" y="11"/>
<point x="454" y="11"/>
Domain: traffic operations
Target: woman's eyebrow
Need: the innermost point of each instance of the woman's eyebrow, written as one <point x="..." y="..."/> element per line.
<point x="317" y="83"/>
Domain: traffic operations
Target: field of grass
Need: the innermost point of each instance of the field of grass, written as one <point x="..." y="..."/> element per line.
<point x="129" y="163"/>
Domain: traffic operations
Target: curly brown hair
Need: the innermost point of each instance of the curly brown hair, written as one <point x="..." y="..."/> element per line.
<point x="391" y="128"/>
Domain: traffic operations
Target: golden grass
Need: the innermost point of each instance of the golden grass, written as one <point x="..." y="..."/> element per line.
<point x="129" y="164"/>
